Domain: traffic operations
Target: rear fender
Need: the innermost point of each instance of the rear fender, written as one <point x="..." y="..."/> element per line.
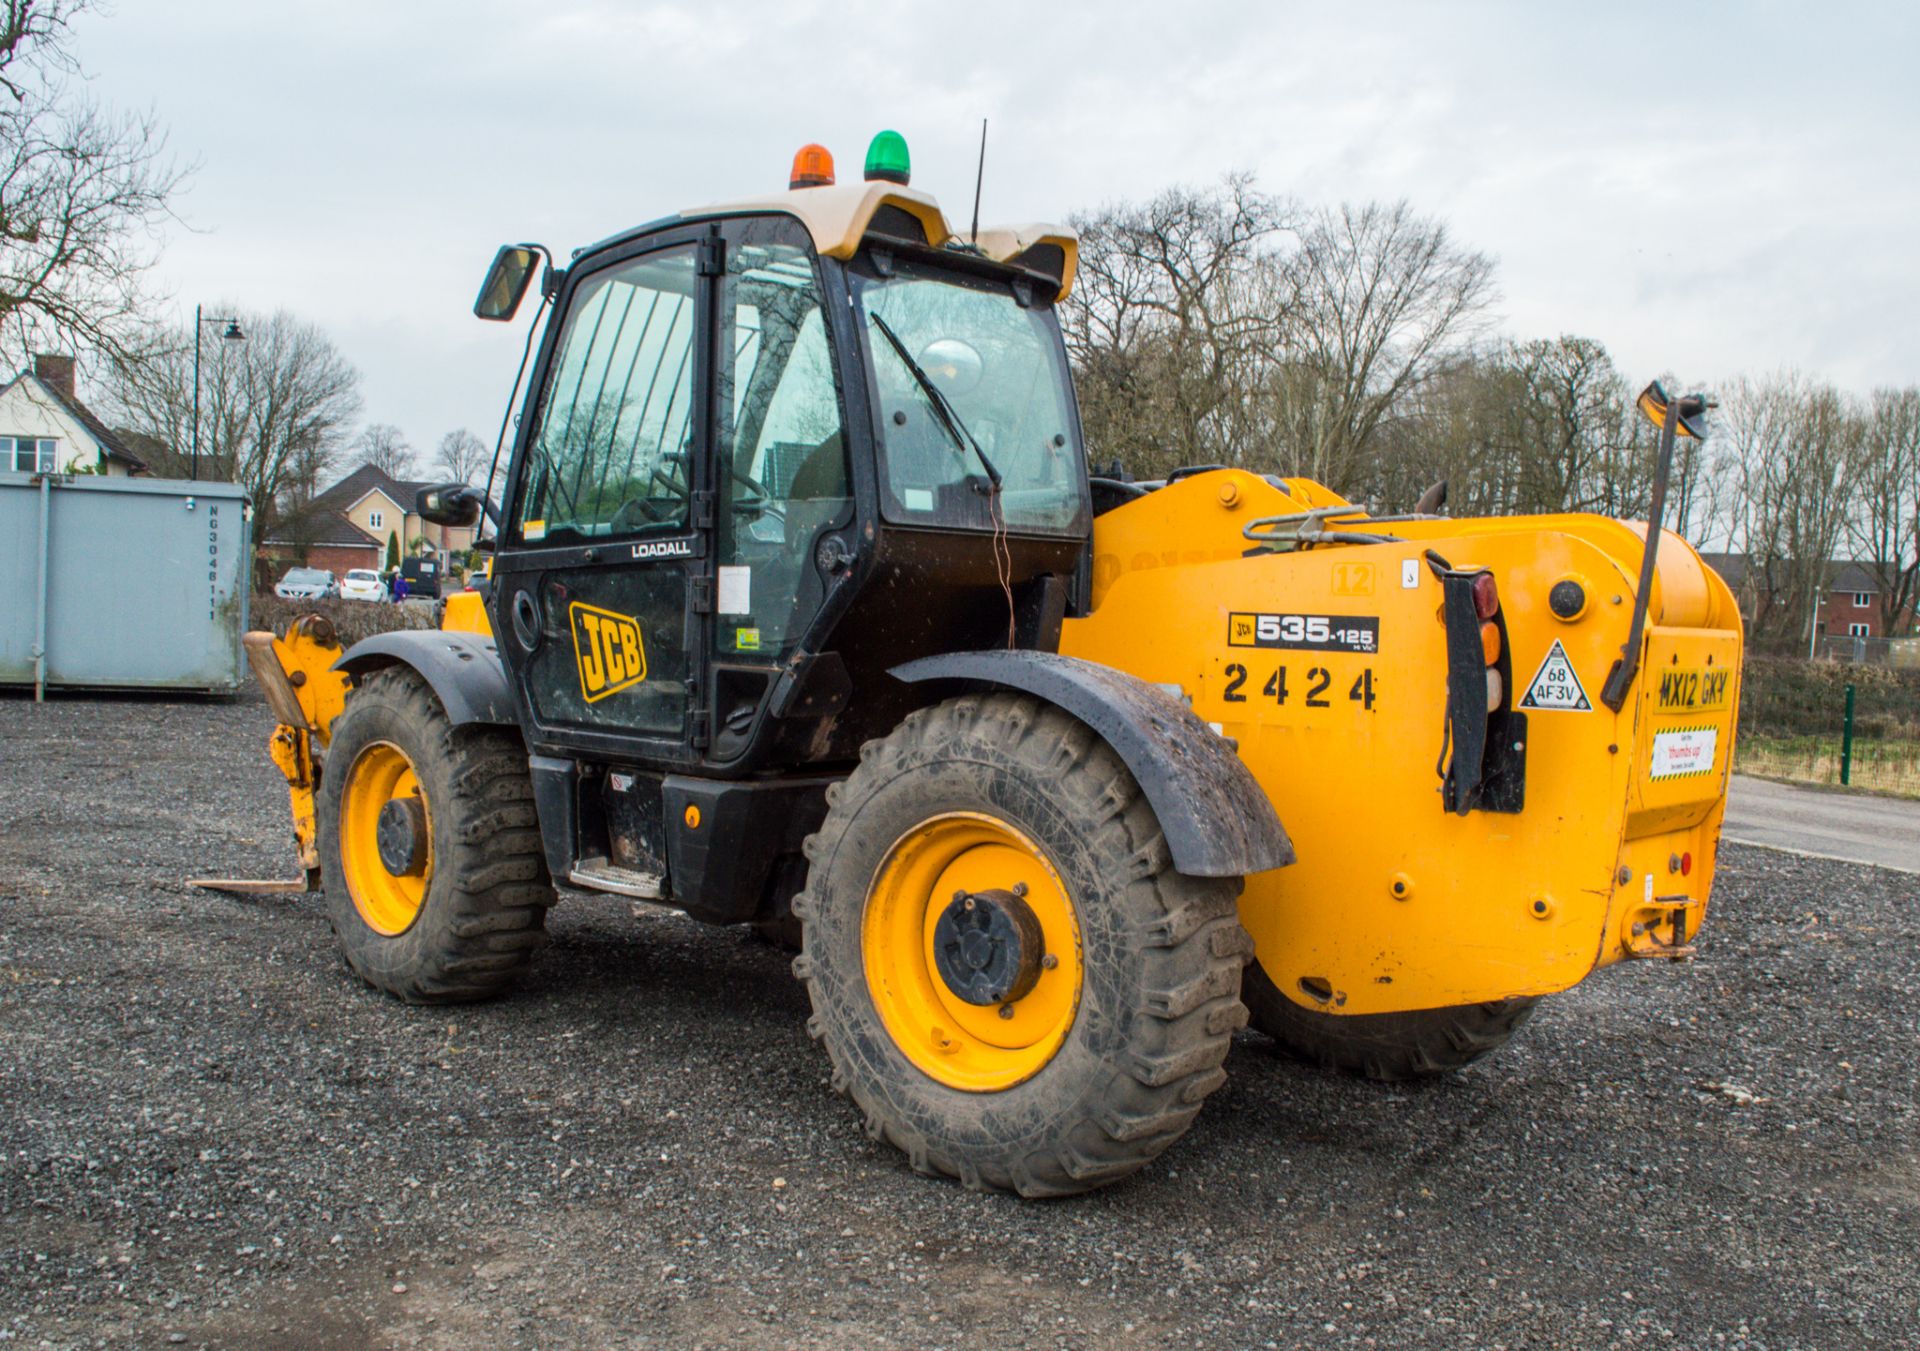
<point x="1216" y="819"/>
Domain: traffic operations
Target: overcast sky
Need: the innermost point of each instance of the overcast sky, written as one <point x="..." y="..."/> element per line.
<point x="1709" y="189"/>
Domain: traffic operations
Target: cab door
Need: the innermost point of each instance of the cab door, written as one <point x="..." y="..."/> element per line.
<point x="608" y="529"/>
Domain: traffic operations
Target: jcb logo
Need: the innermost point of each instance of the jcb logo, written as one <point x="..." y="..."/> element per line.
<point x="607" y="649"/>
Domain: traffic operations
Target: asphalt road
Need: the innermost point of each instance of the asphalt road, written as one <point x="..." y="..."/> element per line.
<point x="211" y="1134"/>
<point x="1824" y="823"/>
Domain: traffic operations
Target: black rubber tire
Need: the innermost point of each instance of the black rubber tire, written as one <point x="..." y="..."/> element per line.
<point x="1390" y="1047"/>
<point x="485" y="910"/>
<point x="1161" y="953"/>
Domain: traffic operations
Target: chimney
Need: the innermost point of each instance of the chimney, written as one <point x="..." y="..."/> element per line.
<point x="56" y="371"/>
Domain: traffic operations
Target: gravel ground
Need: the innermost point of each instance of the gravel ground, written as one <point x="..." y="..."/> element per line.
<point x="211" y="1134"/>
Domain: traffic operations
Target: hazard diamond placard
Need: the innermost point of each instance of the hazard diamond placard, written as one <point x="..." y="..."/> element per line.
<point x="1555" y="685"/>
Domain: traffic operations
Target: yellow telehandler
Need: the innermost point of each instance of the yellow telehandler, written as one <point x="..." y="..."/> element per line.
<point x="804" y="610"/>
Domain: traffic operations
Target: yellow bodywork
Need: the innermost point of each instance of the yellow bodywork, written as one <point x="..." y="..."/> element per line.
<point x="306" y="695"/>
<point x="1395" y="903"/>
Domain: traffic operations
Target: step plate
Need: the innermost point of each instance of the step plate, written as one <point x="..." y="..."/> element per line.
<point x="597" y="874"/>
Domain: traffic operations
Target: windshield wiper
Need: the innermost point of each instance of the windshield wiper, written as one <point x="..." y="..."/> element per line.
<point x="949" y="418"/>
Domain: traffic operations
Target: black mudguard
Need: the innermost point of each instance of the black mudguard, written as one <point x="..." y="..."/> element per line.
<point x="464" y="670"/>
<point x="1217" y="821"/>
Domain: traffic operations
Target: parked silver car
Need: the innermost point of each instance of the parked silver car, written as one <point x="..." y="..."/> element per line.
<point x="307" y="584"/>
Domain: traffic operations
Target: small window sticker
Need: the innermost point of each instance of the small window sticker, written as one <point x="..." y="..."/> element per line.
<point x="917" y="499"/>
<point x="534" y="530"/>
<point x="736" y="590"/>
<point x="746" y="640"/>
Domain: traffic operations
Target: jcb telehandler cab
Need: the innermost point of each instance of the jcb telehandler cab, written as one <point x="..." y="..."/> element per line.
<point x="804" y="608"/>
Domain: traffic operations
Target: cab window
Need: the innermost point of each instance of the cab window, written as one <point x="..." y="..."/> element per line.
<point x="783" y="467"/>
<point x="609" y="452"/>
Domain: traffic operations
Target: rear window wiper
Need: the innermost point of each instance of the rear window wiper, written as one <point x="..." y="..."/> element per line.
<point x="943" y="410"/>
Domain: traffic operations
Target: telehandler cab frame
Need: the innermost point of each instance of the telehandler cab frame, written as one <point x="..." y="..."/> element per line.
<point x="803" y="610"/>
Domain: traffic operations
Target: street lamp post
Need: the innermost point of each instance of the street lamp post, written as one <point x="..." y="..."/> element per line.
<point x="233" y="334"/>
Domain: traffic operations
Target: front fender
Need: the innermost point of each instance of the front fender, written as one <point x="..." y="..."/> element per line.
<point x="464" y="670"/>
<point x="1216" y="819"/>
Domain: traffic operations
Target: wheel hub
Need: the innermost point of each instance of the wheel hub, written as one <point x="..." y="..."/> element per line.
<point x="401" y="836"/>
<point x="988" y="947"/>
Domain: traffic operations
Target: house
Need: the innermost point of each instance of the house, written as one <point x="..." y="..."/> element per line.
<point x="358" y="516"/>
<point x="1850" y="605"/>
<point x="45" y="429"/>
<point x="1849" y="602"/>
<point x="320" y="539"/>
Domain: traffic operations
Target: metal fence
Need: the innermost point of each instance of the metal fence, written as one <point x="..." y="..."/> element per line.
<point x="1831" y="723"/>
<point x="1902" y="652"/>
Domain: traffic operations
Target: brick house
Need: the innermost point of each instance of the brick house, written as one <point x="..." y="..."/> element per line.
<point x="45" y="429"/>
<point x="1850" y="606"/>
<point x="1849" y="602"/>
<point x="321" y="539"/>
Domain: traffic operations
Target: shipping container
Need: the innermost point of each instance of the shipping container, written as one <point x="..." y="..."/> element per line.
<point x="122" y="583"/>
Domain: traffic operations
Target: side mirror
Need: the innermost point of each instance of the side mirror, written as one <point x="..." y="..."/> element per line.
<point x="506" y="282"/>
<point x="450" y="504"/>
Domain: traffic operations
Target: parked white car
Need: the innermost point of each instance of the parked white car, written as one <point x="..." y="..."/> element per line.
<point x="307" y="584"/>
<point x="363" y="584"/>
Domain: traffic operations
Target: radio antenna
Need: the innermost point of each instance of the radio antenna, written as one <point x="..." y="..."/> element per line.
<point x="979" y="175"/>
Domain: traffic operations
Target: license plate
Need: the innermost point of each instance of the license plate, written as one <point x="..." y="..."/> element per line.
<point x="1694" y="689"/>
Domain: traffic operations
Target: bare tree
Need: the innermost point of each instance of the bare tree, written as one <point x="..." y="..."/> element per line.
<point x="1884" y="528"/>
<point x="271" y="408"/>
<point x="1172" y="323"/>
<point x="1794" y="445"/>
<point x="385" y="447"/>
<point x="84" y="192"/>
<point x="462" y="456"/>
<point x="1378" y="299"/>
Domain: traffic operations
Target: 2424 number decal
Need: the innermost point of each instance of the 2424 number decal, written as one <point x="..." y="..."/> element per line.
<point x="1318" y="681"/>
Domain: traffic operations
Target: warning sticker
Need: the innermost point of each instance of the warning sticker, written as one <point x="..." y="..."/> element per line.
<point x="1682" y="754"/>
<point x="1555" y="685"/>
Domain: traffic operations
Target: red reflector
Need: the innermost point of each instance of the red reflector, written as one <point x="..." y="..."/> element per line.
<point x="1686" y="864"/>
<point x="1486" y="596"/>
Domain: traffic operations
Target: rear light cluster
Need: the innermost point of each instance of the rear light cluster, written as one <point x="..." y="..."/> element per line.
<point x="1486" y="605"/>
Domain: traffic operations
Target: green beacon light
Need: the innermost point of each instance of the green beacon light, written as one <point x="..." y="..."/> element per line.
<point x="887" y="159"/>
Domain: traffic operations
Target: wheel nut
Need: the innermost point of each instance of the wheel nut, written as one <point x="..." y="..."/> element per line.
<point x="1019" y="888"/>
<point x="1049" y="962"/>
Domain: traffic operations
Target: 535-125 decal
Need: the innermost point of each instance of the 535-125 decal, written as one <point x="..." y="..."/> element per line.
<point x="1310" y="633"/>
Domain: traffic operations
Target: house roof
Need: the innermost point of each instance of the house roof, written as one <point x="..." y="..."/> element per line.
<point x="317" y="524"/>
<point x="105" y="437"/>
<point x="371" y="478"/>
<point x="1842" y="574"/>
<point x="1851" y="576"/>
<point x="1731" y="567"/>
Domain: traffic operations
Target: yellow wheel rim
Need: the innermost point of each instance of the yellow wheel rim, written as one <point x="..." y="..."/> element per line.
<point x="387" y="901"/>
<point x="976" y="1048"/>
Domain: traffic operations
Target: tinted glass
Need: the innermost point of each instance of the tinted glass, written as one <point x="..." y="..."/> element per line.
<point x="610" y="447"/>
<point x="1002" y="371"/>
